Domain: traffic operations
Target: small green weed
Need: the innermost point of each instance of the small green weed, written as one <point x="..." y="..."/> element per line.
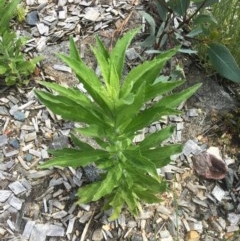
<point x="14" y="67"/>
<point x="113" y="114"/>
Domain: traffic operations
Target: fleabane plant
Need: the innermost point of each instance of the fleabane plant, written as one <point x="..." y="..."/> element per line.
<point x="113" y="112"/>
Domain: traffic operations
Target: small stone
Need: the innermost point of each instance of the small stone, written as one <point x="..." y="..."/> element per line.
<point x="32" y="18"/>
<point x="97" y="235"/>
<point x="14" y="143"/>
<point x="132" y="54"/>
<point x="28" y="157"/>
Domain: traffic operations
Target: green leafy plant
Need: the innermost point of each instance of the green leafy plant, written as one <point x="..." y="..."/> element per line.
<point x="7" y="12"/>
<point x="192" y="25"/>
<point x="112" y="114"/>
<point x="14" y="67"/>
<point x="21" y="12"/>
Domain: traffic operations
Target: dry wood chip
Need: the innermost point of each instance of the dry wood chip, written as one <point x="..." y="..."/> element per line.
<point x="38" y="233"/>
<point x="4" y="195"/>
<point x="23" y="163"/>
<point x="58" y="192"/>
<point x="70" y="225"/>
<point x="218" y="193"/>
<point x="55" y="230"/>
<point x="35" y="153"/>
<point x="58" y="204"/>
<point x="28" y="229"/>
<point x="59" y="215"/>
<point x="30" y="137"/>
<point x="85" y="217"/>
<point x="27" y="147"/>
<point x="11" y="153"/>
<point x="11" y="225"/>
<point x="36" y="175"/>
<point x="17" y="187"/>
<point x="91" y="14"/>
<point x="15" y="202"/>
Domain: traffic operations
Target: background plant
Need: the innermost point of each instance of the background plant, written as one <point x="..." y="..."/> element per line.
<point x="113" y="113"/>
<point x="190" y="23"/>
<point x="14" y="66"/>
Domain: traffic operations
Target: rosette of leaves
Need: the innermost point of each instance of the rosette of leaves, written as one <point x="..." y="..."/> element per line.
<point x="113" y="112"/>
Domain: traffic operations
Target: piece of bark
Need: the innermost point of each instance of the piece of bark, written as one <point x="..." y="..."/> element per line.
<point x="209" y="165"/>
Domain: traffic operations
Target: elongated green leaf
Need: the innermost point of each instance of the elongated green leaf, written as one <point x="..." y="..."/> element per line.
<point x="114" y="81"/>
<point x="148" y="71"/>
<point x="80" y="144"/>
<point x="145" y="181"/>
<point x="195" y="32"/>
<point x="7" y="13"/>
<point x="108" y="184"/>
<point x="71" y="93"/>
<point x="68" y="109"/>
<point x="146" y="195"/>
<point x="161" y="88"/>
<point x="160" y="154"/>
<point x="146" y="165"/>
<point x="103" y="63"/>
<point x="207" y="3"/>
<point x="117" y="55"/>
<point x="87" y="192"/>
<point x="148" y="116"/>
<point x="125" y="113"/>
<point x="117" y="203"/>
<point x="90" y="81"/>
<point x="205" y="18"/>
<point x="94" y="130"/>
<point x="180" y="7"/>
<point x="74" y="53"/>
<point x="162" y="10"/>
<point x="151" y="39"/>
<point x="155" y="139"/>
<point x="223" y="61"/>
<point x="131" y="200"/>
<point x="102" y="48"/>
<point x="150" y="21"/>
<point x="176" y="99"/>
<point x="74" y="158"/>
